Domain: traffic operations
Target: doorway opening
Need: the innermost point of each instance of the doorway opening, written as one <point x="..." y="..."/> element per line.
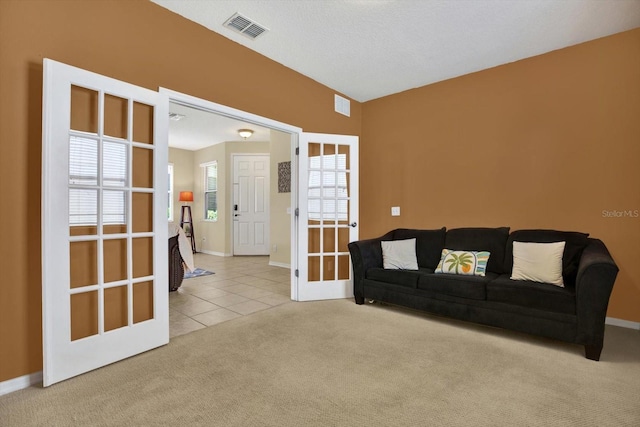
<point x="287" y="137"/>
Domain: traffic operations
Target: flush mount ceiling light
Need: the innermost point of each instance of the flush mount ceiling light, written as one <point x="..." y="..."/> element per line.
<point x="245" y="133"/>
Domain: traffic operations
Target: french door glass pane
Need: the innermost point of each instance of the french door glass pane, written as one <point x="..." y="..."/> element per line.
<point x="113" y="207"/>
<point x="116" y="116"/>
<point x="115" y="260"/>
<point x="84" y="109"/>
<point x="142" y="173"/>
<point x="142" y="301"/>
<point x="116" y="308"/>
<point x="83" y="265"/>
<point x="83" y="161"/>
<point x="143" y="123"/>
<point x="114" y="164"/>
<point x="83" y="207"/>
<point x="84" y="315"/>
<point x="142" y="212"/>
<point x="142" y="256"/>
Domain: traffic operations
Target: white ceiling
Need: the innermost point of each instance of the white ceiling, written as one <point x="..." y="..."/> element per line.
<point x="367" y="49"/>
<point x="199" y="129"/>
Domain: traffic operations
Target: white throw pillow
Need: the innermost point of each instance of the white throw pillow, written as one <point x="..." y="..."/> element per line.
<point x="399" y="254"/>
<point x="538" y="262"/>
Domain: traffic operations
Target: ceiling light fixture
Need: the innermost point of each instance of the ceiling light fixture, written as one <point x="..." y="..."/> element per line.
<point x="245" y="133"/>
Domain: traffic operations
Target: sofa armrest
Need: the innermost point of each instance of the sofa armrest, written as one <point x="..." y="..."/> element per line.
<point x="365" y="254"/>
<point x="597" y="272"/>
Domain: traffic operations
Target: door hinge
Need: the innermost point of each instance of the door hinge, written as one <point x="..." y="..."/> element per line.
<point x="297" y="272"/>
<point x="297" y="151"/>
<point x="297" y="212"/>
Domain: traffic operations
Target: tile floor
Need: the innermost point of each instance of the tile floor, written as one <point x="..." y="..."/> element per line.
<point x="240" y="286"/>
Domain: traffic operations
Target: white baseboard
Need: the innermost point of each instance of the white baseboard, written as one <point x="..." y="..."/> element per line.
<point x="15" y="384"/>
<point x="622" y="323"/>
<point x="215" y="253"/>
<point x="279" y="264"/>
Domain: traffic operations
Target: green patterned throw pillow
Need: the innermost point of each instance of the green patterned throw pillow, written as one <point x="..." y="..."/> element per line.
<point x="469" y="263"/>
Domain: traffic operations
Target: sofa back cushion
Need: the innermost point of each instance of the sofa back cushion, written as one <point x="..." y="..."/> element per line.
<point x="575" y="243"/>
<point x="429" y="244"/>
<point x="399" y="254"/>
<point x="493" y="240"/>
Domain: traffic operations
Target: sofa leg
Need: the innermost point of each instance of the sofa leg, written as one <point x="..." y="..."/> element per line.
<point x="592" y="352"/>
<point x="359" y="300"/>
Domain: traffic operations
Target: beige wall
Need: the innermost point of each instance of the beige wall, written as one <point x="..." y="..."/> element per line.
<point x="183" y="179"/>
<point x="210" y="235"/>
<point x="217" y="234"/>
<point x="137" y="42"/>
<point x="546" y="142"/>
<point x="280" y="219"/>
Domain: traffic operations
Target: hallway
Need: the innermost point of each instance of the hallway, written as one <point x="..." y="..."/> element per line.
<point x="241" y="285"/>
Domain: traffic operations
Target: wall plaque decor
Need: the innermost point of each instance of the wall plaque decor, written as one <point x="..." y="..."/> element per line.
<point x="284" y="177"/>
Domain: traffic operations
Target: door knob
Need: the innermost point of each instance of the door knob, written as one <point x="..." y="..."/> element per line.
<point x="353" y="224"/>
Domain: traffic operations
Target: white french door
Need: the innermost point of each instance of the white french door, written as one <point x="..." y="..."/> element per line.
<point x="251" y="204"/>
<point x="104" y="225"/>
<point x="328" y="215"/>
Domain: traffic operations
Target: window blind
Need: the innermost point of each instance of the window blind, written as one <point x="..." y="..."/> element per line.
<point x="328" y="194"/>
<point x="84" y="168"/>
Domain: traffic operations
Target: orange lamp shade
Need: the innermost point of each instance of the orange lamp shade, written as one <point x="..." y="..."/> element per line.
<point x="186" y="196"/>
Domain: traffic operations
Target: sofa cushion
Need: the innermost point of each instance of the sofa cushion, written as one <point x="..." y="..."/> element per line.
<point x="429" y="244"/>
<point x="542" y="296"/>
<point x="406" y="278"/>
<point x="538" y="262"/>
<point x="492" y="240"/>
<point x="399" y="254"/>
<point x="575" y="243"/>
<point x="471" y="287"/>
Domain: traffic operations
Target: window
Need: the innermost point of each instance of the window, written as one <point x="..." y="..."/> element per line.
<point x="211" y="191"/>
<point x="84" y="180"/>
<point x="170" y="208"/>
<point x="328" y="194"/>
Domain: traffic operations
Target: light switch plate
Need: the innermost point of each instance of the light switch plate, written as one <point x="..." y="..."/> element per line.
<point x="395" y="211"/>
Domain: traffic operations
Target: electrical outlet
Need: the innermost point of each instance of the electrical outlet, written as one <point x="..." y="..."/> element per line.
<point x="204" y="238"/>
<point x="275" y="248"/>
<point x="395" y="211"/>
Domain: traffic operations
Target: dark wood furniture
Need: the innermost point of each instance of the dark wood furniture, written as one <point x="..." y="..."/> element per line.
<point x="176" y="266"/>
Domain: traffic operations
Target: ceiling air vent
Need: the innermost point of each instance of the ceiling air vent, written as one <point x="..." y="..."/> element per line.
<point x="245" y="26"/>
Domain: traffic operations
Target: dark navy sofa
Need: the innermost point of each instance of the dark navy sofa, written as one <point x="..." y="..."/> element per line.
<point x="574" y="313"/>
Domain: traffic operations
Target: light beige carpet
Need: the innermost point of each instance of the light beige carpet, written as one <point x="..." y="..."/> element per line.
<point x="333" y="363"/>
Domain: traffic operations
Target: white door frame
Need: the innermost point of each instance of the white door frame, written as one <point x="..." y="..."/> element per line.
<point x="233" y="195"/>
<point x="294" y="131"/>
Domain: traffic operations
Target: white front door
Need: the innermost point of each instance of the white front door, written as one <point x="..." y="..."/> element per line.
<point x="328" y="215"/>
<point x="104" y="224"/>
<point x="251" y="204"/>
